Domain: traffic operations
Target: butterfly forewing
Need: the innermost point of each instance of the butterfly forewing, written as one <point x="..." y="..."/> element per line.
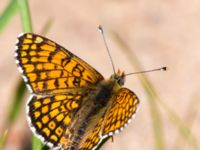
<point x="49" y="68"/>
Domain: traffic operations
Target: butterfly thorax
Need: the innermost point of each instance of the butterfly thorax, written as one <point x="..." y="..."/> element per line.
<point x="94" y="107"/>
<point x="108" y="88"/>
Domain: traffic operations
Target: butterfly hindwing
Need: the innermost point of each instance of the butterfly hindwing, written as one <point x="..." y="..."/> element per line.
<point x="93" y="138"/>
<point x="49" y="68"/>
<point x="49" y="116"/>
<point x="124" y="106"/>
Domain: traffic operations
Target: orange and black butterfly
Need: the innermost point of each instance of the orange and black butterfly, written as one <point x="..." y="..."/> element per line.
<point x="71" y="106"/>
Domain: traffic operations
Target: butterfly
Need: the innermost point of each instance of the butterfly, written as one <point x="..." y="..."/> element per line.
<point x="71" y="105"/>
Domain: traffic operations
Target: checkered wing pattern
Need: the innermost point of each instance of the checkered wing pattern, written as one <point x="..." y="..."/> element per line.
<point x="124" y="106"/>
<point x="59" y="81"/>
<point x="50" y="116"/>
<point x="92" y="139"/>
<point x="49" y="68"/>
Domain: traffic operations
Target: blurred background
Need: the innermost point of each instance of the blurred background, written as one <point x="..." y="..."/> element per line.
<point x="141" y="35"/>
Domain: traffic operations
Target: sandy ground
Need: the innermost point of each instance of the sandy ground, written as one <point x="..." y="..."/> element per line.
<point x="159" y="32"/>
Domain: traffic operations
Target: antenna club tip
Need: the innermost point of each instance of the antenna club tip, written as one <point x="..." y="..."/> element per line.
<point x="164" y="68"/>
<point x="100" y="28"/>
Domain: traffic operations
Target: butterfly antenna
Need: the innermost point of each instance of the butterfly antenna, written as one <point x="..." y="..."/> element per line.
<point x="152" y="70"/>
<point x="111" y="60"/>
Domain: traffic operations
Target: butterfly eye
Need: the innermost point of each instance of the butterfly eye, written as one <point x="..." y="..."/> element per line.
<point x="121" y="81"/>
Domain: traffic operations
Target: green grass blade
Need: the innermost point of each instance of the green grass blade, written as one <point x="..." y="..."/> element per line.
<point x="3" y="139"/>
<point x="46" y="27"/>
<point x="7" y="14"/>
<point x="155" y="115"/>
<point x="17" y="103"/>
<point x="23" y="9"/>
<point x="183" y="129"/>
<point x="36" y="144"/>
<point x="190" y="117"/>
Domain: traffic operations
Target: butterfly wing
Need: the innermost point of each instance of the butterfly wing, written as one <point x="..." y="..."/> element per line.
<point x="48" y="68"/>
<point x="93" y="138"/>
<point x="49" y="116"/>
<point x="120" y="113"/>
<point x="58" y="80"/>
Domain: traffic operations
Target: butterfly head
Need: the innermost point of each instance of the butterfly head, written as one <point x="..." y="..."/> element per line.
<point x="119" y="77"/>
